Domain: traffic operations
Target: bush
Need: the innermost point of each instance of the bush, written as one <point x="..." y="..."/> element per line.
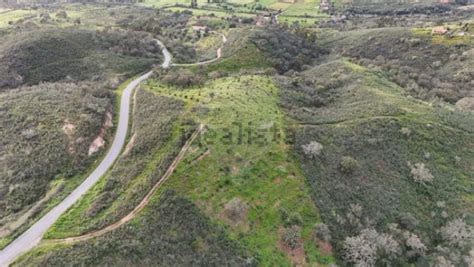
<point x="312" y="149"/>
<point x="408" y="221"/>
<point x="183" y="78"/>
<point x="322" y="232"/>
<point x="457" y="233"/>
<point x="420" y="173"/>
<point x="365" y="248"/>
<point x="415" y="245"/>
<point x="286" y="49"/>
<point x="348" y="164"/>
<point x="291" y="236"/>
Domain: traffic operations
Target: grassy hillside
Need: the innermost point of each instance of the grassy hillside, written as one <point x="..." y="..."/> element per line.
<point x="172" y="231"/>
<point x="46" y="132"/>
<point x="384" y="160"/>
<point x="155" y="141"/>
<point x="248" y="183"/>
<point x="428" y="66"/>
<point x="251" y="188"/>
<point x="73" y="55"/>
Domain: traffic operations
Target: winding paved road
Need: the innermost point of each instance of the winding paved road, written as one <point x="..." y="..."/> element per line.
<point x="33" y="235"/>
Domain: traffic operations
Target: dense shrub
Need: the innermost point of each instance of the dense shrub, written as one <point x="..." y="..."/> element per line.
<point x="322" y="232"/>
<point x="73" y="55"/>
<point x="291" y="236"/>
<point x="171" y="29"/>
<point x="426" y="69"/>
<point x="356" y="111"/>
<point x="129" y="43"/>
<point x="348" y="164"/>
<point x="286" y="49"/>
<point x="46" y="131"/>
<point x="182" y="78"/>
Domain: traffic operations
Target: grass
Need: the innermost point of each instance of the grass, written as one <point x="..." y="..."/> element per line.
<point x="156" y="142"/>
<point x="306" y="7"/>
<point x="238" y="54"/>
<point x="262" y="174"/>
<point x="14" y="15"/>
<point x="172" y="232"/>
<point x="206" y="47"/>
<point x="309" y="21"/>
<point x="248" y="58"/>
<point x="444" y="40"/>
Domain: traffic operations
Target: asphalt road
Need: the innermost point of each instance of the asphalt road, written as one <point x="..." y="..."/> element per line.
<point x="33" y="235"/>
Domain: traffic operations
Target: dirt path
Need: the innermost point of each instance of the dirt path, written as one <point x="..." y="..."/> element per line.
<point x="218" y="55"/>
<point x="142" y="204"/>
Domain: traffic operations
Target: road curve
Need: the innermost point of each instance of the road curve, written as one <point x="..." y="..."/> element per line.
<point x="33" y="235"/>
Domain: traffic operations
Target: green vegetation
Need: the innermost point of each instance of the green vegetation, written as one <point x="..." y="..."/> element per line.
<point x="252" y="187"/>
<point x="74" y="55"/>
<point x="155" y="141"/>
<point x="252" y="190"/>
<point x="46" y="133"/>
<point x="8" y="17"/>
<point x="326" y="139"/>
<point x="286" y="49"/>
<point x="48" y="128"/>
<point x="207" y="46"/>
<point x="248" y="58"/>
<point x="372" y="172"/>
<point x="425" y="66"/>
<point x="172" y="231"/>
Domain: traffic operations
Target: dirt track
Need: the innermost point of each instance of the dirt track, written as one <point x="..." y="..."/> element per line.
<point x="143" y="203"/>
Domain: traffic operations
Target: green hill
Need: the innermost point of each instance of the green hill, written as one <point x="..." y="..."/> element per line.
<point x="74" y="55"/>
<point x="173" y="232"/>
<point x="384" y="159"/>
<point x="46" y="131"/>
